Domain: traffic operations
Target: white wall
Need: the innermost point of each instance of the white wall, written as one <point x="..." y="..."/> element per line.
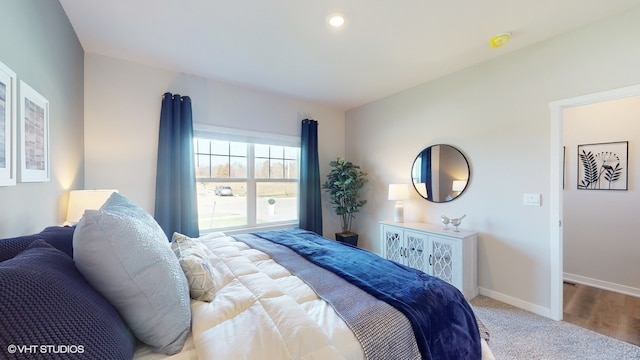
<point x="122" y="112"/>
<point x="40" y="46"/>
<point x="600" y="227"/>
<point x="497" y="114"/>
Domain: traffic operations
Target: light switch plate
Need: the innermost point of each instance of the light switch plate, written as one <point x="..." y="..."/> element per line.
<point x="532" y="199"/>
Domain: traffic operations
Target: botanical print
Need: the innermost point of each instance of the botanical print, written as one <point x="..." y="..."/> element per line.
<point x="34" y="137"/>
<point x="603" y="166"/>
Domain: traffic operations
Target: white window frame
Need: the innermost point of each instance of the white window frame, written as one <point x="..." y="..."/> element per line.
<point x="247" y="136"/>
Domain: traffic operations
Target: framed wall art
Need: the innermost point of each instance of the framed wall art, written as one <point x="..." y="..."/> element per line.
<point x="34" y="135"/>
<point x="603" y="166"/>
<point x="7" y="126"/>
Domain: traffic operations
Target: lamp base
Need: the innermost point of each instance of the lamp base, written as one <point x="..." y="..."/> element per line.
<point x="398" y="212"/>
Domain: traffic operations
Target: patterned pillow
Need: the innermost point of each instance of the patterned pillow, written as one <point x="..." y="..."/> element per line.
<point x="122" y="251"/>
<point x="194" y="260"/>
<point x="45" y="301"/>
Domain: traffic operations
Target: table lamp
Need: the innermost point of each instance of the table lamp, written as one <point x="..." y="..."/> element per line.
<point x="398" y="192"/>
<point x="81" y="200"/>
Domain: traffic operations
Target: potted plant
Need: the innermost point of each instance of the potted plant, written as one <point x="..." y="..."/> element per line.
<point x="343" y="184"/>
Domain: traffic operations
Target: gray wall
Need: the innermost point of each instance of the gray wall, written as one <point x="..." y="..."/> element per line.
<point x="498" y="114"/>
<point x="40" y="46"/>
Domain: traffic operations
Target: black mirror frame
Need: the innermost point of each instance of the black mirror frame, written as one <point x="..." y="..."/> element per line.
<point x="463" y="157"/>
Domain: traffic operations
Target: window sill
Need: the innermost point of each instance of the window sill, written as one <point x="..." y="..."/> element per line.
<point x="245" y="230"/>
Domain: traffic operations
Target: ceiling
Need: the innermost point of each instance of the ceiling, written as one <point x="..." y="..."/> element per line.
<point x="286" y="46"/>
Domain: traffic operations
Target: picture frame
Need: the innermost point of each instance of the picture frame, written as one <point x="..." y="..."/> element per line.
<point x="603" y="166"/>
<point x="34" y="135"/>
<point x="8" y="127"/>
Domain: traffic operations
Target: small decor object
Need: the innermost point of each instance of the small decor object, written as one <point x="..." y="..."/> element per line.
<point x="272" y="206"/>
<point x="445" y="220"/>
<point x="34" y="135"/>
<point x="603" y="166"/>
<point x="7" y="126"/>
<point x="398" y="192"/>
<point x="457" y="222"/>
<point x="344" y="182"/>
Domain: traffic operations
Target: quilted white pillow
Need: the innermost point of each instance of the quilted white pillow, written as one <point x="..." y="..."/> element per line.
<point x="124" y="254"/>
<point x="194" y="260"/>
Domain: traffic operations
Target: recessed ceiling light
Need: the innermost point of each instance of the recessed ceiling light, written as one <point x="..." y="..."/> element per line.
<point x="336" y="20"/>
<point x="499" y="40"/>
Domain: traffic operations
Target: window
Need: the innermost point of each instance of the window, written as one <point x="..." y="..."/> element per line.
<point x="245" y="180"/>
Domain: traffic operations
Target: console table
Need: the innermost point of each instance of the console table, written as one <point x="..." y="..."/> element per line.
<point x="446" y="254"/>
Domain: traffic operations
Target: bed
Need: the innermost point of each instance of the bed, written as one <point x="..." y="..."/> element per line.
<point x="114" y="286"/>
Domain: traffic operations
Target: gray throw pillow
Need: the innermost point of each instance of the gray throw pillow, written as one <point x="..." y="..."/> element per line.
<point x="124" y="254"/>
<point x="194" y="258"/>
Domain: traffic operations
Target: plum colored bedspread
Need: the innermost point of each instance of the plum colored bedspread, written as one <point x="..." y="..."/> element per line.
<point x="442" y="320"/>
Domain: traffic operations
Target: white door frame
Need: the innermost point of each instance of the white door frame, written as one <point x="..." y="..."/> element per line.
<point x="555" y="197"/>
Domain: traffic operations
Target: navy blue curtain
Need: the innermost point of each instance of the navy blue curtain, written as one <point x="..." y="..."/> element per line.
<point x="310" y="205"/>
<point x="426" y="172"/>
<point x="176" y="203"/>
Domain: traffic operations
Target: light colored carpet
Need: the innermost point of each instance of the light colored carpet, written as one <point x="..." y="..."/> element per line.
<point x="520" y="335"/>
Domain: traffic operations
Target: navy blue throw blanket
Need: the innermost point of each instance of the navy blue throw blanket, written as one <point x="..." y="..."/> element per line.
<point x="442" y="320"/>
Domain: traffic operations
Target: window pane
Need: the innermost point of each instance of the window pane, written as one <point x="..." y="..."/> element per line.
<point x="261" y="169"/>
<point x="219" y="147"/>
<point x="238" y="149"/>
<point x="291" y="153"/>
<point x="277" y="169"/>
<point x="277" y="152"/>
<point x="261" y="150"/>
<point x="284" y="204"/>
<point x="291" y="169"/>
<point x="238" y="167"/>
<point x="221" y="205"/>
<point x="202" y="146"/>
<point x="203" y="169"/>
<point x="220" y="167"/>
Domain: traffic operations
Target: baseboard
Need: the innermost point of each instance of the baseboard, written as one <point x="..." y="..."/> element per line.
<point x="600" y="284"/>
<point x="546" y="312"/>
<point x="536" y="309"/>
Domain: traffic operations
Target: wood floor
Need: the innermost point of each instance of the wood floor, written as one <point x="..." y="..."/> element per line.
<point x="609" y="313"/>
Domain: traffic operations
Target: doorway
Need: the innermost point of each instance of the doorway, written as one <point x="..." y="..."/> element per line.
<point x="557" y="180"/>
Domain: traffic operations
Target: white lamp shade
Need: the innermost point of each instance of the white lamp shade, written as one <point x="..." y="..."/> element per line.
<point x="458" y="185"/>
<point x="81" y="200"/>
<point x="398" y="191"/>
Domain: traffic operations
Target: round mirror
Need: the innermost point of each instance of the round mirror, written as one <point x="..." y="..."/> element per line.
<point x="440" y="173"/>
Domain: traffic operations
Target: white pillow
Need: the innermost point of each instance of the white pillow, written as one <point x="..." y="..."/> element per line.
<point x="194" y="259"/>
<point x="122" y="251"/>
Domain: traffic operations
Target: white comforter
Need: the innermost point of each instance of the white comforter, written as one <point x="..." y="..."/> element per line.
<point x="262" y="311"/>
